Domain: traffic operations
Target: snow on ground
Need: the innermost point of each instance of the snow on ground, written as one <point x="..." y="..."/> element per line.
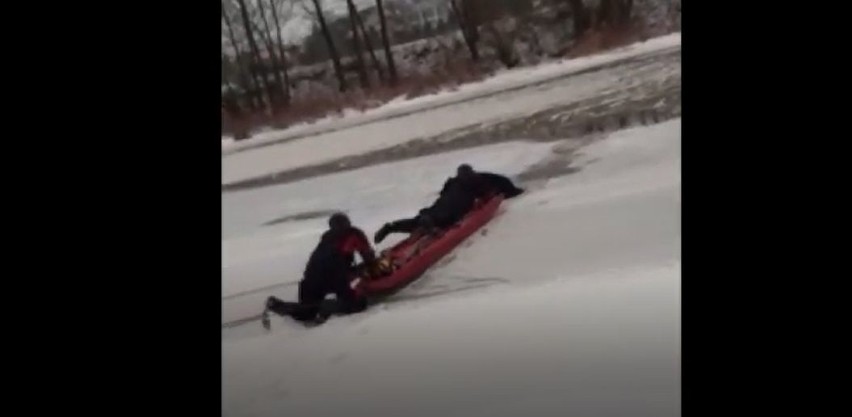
<point x="505" y="80"/>
<point x="257" y="256"/>
<point x="605" y="346"/>
<point x="569" y="305"/>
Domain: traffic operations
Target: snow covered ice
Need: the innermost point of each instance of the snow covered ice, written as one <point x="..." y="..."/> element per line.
<point x="568" y="305"/>
<point x="401" y="121"/>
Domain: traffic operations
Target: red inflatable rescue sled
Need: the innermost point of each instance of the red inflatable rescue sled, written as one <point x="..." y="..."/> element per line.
<point x="410" y="258"/>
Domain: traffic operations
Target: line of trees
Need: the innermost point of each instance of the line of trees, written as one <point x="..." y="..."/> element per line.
<point x="473" y="16"/>
<point x="256" y="56"/>
<point x="359" y="35"/>
<point x="251" y="23"/>
<point x="610" y="13"/>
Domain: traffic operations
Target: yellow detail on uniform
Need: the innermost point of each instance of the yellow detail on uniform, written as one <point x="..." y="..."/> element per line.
<point x="385" y="265"/>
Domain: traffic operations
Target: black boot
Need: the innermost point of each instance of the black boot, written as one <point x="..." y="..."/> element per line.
<point x="382" y="233"/>
<point x="264" y="320"/>
<point x="398" y="226"/>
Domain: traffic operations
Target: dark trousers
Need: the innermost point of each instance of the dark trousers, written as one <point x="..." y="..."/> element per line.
<point x="312" y="292"/>
<point x="427" y="219"/>
<point x="404" y="225"/>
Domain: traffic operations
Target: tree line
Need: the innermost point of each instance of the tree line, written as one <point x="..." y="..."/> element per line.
<point x="256" y="55"/>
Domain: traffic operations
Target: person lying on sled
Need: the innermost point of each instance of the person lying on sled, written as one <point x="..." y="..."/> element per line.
<point x="456" y="199"/>
<point x="484" y="184"/>
<point x="330" y="267"/>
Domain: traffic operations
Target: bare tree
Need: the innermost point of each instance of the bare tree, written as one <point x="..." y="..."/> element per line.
<point x="369" y="43"/>
<point x="281" y="50"/>
<point x="356" y="46"/>
<point x="614" y="12"/>
<point x="332" y="50"/>
<point x="250" y="84"/>
<point x="469" y="27"/>
<point x="604" y="13"/>
<point x="581" y="17"/>
<point x="505" y="52"/>
<point x="229" y="96"/>
<point x="255" y="52"/>
<point x="266" y="36"/>
<point x="386" y="43"/>
<point x="625" y="10"/>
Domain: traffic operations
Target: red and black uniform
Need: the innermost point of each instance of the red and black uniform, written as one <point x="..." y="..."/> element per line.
<point x="457" y="198"/>
<point x="329" y="270"/>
